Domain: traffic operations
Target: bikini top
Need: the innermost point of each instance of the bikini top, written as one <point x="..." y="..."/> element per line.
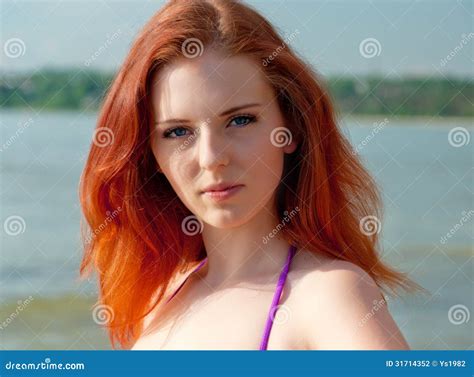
<point x="276" y="296"/>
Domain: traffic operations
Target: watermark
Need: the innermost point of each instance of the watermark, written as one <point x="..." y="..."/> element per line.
<point x="45" y="365"/>
<point x="286" y="219"/>
<point x="281" y="136"/>
<point x="16" y="135"/>
<point x="280" y="314"/>
<point x="103" y="136"/>
<point x="102" y="48"/>
<point x="14" y="225"/>
<point x="459" y="137"/>
<point x="464" y="41"/>
<point x="22" y="304"/>
<point x="14" y="48"/>
<point x="286" y="41"/>
<point x="191" y="225"/>
<point x="108" y="219"/>
<point x="466" y="216"/>
<point x="377" y="305"/>
<point x="377" y="128"/>
<point x="370" y="48"/>
<point x="192" y="48"/>
<point x="459" y="314"/>
<point x="370" y="225"/>
<point x="103" y="314"/>
<point x="189" y="139"/>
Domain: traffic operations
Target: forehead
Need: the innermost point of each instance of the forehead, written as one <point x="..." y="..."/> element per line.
<point x="207" y="85"/>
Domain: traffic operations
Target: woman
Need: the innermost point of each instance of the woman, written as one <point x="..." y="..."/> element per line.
<point x="242" y="218"/>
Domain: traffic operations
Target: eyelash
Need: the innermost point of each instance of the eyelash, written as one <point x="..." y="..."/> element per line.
<point x="251" y="119"/>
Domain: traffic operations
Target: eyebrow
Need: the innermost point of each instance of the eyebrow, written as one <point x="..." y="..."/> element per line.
<point x="227" y="112"/>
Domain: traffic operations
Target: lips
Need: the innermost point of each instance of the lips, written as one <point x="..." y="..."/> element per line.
<point x="220" y="187"/>
<point x="223" y="195"/>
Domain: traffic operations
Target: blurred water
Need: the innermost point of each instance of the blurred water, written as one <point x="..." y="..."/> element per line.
<point x="40" y="170"/>
<point x="426" y="183"/>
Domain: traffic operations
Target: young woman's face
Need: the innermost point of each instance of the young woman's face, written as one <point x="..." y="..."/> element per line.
<point x="214" y="120"/>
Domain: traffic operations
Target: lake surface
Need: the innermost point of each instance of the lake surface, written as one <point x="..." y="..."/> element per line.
<point x="426" y="181"/>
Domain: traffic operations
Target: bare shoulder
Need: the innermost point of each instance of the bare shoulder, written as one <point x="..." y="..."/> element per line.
<point x="315" y="271"/>
<point x="339" y="306"/>
<point x="150" y="322"/>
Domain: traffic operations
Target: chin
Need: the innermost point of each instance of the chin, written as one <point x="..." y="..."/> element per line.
<point x="226" y="218"/>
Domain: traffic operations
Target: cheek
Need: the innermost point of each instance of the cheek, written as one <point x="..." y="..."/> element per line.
<point x="270" y="164"/>
<point x="264" y="164"/>
<point x="179" y="170"/>
<point x="176" y="167"/>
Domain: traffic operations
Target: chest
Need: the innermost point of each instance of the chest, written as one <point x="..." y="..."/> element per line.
<point x="231" y="319"/>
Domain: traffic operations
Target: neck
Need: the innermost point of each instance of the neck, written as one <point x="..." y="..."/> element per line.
<point x="240" y="253"/>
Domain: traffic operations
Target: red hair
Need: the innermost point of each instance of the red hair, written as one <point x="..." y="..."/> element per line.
<point x="142" y="247"/>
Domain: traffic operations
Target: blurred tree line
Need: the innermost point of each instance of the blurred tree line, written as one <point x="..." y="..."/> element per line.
<point x="85" y="90"/>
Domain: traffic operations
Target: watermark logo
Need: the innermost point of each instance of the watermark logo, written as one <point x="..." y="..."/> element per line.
<point x="103" y="136"/>
<point x="281" y="136"/>
<point x="370" y="225"/>
<point x="192" y="48"/>
<point x="191" y="225"/>
<point x="14" y="48"/>
<point x="370" y="48"/>
<point x="102" y="314"/>
<point x="459" y="137"/>
<point x="14" y="225"/>
<point x="280" y="314"/>
<point x="458" y="314"/>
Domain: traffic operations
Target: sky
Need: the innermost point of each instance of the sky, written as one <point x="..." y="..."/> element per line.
<point x="391" y="38"/>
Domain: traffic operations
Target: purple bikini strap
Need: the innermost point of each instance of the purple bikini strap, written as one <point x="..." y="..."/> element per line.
<point x="276" y="298"/>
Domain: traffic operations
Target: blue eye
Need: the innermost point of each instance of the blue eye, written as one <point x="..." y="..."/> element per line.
<point x="175" y="131"/>
<point x="247" y="119"/>
<point x="241" y="120"/>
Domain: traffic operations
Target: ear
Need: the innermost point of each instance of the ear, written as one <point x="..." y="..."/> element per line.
<point x="290" y="148"/>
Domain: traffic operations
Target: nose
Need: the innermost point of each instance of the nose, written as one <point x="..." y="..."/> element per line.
<point x="213" y="149"/>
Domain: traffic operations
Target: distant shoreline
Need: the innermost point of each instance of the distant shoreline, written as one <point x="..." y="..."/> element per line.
<point x="368" y="96"/>
<point x="439" y="121"/>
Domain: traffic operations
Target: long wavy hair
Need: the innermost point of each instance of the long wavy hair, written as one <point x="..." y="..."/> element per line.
<point x="134" y="218"/>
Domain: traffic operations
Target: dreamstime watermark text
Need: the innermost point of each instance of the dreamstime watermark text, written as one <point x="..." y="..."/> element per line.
<point x="22" y="304"/>
<point x="102" y="48"/>
<point x="16" y="135"/>
<point x="287" y="40"/>
<point x="286" y="219"/>
<point x="464" y="219"/>
<point x="44" y="365"/>
<point x="103" y="225"/>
